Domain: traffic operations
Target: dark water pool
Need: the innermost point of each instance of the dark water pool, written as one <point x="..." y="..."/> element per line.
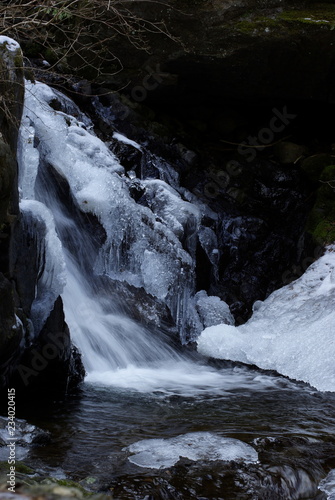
<point x="290" y="425"/>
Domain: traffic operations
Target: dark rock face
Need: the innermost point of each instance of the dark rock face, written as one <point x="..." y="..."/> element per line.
<point x="255" y="240"/>
<point x="218" y="107"/>
<point x="51" y="365"/>
<point x="11" y="331"/>
<point x="43" y="360"/>
<point x="261" y="231"/>
<point x="246" y="49"/>
<point x="11" y="90"/>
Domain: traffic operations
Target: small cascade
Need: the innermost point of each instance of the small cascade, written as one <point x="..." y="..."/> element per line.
<point x="97" y="235"/>
<point x="150" y="244"/>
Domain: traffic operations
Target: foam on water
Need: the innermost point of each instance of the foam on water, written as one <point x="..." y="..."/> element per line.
<point x="163" y="453"/>
<point x="187" y="378"/>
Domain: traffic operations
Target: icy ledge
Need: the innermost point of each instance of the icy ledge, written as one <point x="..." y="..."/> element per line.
<point x="292" y="331"/>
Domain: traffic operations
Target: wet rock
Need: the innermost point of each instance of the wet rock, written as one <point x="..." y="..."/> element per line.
<point x="321" y="220"/>
<point x="50" y="365"/>
<point x="44" y="488"/>
<point x="137" y="304"/>
<point x="285" y="49"/>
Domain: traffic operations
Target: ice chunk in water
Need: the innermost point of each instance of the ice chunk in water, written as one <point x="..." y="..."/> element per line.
<point x="163" y="453"/>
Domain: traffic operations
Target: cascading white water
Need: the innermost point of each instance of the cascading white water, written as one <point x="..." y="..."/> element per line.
<point x="60" y="157"/>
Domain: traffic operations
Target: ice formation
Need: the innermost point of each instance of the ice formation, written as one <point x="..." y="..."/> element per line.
<point x="148" y="246"/>
<point x="39" y="224"/>
<point x="122" y="138"/>
<point x="327" y="485"/>
<point x="212" y="310"/>
<point x="163" y="453"/>
<point x="292" y="331"/>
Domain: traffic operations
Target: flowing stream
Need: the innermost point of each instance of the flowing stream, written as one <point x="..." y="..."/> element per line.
<point x="144" y="402"/>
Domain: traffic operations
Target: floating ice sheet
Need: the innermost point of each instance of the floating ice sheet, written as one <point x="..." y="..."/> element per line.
<point x="163" y="453"/>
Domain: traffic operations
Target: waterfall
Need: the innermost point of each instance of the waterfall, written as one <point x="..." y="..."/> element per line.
<point x="94" y="236"/>
<point x="126" y="267"/>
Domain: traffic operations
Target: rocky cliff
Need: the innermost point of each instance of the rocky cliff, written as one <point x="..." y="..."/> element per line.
<point x="239" y="98"/>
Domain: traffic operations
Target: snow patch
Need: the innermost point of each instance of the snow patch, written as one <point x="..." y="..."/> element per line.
<point x="292" y="331"/>
<point x="11" y="44"/>
<point x="122" y="138"/>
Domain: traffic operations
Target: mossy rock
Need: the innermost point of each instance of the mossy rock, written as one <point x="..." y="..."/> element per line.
<point x="68" y="483"/>
<point x="320" y="14"/>
<point x="253" y="26"/>
<point x="11" y="90"/>
<point x="288" y="22"/>
<point x="20" y="467"/>
<point x="324" y="233"/>
<point x="328" y="174"/>
<point x="326" y="196"/>
<point x="321" y="222"/>
<point x="7" y="176"/>
<point x="47" y="488"/>
<point x="313" y="166"/>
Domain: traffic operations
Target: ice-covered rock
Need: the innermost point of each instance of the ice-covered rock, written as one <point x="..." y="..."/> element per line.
<point x="40" y="226"/>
